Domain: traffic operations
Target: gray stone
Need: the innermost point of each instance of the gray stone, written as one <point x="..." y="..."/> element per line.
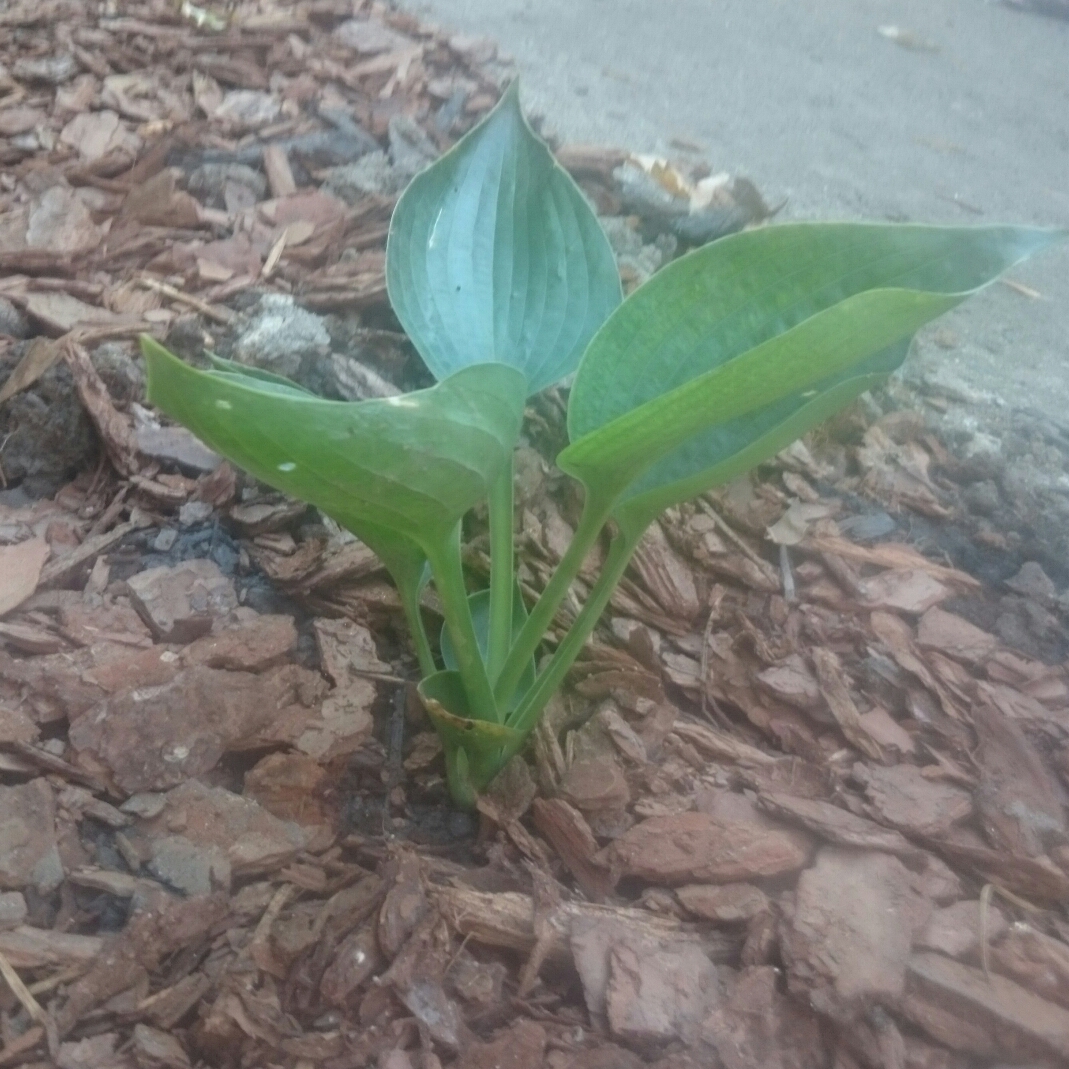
<point x="208" y="182"/>
<point x="193" y="513"/>
<point x="12" y="322"/>
<point x="12" y="910"/>
<point x="91" y="1053"/>
<point x="632" y="254"/>
<point x="180" y="604"/>
<point x="52" y="70"/>
<point x="410" y="148"/>
<point x="46" y="433"/>
<point x="121" y="373"/>
<point x="982" y="497"/>
<point x="187" y="867"/>
<point x="28" y="854"/>
<point x="176" y="445"/>
<point x="206" y="833"/>
<point x="281" y="335"/>
<point x="369" y="37"/>
<point x="371" y="175"/>
<point x="164" y="540"/>
<point x="247" y="109"/>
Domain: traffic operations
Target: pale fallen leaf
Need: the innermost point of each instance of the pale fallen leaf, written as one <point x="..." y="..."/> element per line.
<point x="274" y="255"/>
<point x="20" y="570"/>
<point x="207" y="94"/>
<point x="202" y="17"/>
<point x="709" y="190"/>
<point x="40" y="355"/>
<point x="61" y="312"/>
<point x="299" y="232"/>
<point x="792" y="526"/>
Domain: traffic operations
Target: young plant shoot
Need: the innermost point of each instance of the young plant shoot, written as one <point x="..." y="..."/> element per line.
<point x="500" y="274"/>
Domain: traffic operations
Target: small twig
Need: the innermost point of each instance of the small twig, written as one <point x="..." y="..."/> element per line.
<point x="219" y="315"/>
<point x="456" y="957"/>
<point x="29" y="1003"/>
<point x="64" y="976"/>
<point x="985" y="908"/>
<point x="788" y="576"/>
<point x="717" y="716"/>
<point x="379" y="677"/>
<point x="274" y="255"/>
<point x="270" y="915"/>
<point x="731" y="534"/>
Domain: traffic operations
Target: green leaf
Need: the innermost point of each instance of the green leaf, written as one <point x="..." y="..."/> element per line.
<point x="771" y="430"/>
<point x="407" y="466"/>
<point x="264" y="378"/>
<point x="475" y="750"/>
<point x="723" y="345"/>
<point x="494" y="256"/>
<point x="479" y="604"/>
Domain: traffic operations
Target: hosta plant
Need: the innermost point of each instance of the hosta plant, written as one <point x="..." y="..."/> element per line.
<point x="505" y="283"/>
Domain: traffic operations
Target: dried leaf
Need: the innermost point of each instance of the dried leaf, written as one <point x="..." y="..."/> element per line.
<point x="40" y="355"/>
<point x="20" y="570"/>
<point x="115" y="431"/>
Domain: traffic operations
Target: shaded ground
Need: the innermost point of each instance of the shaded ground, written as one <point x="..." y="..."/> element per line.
<point x="964" y="119"/>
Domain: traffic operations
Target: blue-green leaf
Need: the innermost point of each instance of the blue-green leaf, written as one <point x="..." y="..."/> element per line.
<point x="722" y="346"/>
<point x="494" y="256"/>
<point x="479" y="604"/>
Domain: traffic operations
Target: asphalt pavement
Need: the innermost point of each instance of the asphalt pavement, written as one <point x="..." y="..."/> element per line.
<point x="942" y="111"/>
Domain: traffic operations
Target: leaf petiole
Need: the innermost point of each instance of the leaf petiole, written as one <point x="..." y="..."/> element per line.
<point x="596" y="512"/>
<point x="527" y="714"/>
<point x="502" y="582"/>
<point x="448" y="575"/>
<point x="409" y="593"/>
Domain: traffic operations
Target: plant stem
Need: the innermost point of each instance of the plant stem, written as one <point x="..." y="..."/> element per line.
<point x="409" y="594"/>
<point x="530" y="709"/>
<point x="596" y="511"/>
<point x="501" y="572"/>
<point x="448" y="575"/>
